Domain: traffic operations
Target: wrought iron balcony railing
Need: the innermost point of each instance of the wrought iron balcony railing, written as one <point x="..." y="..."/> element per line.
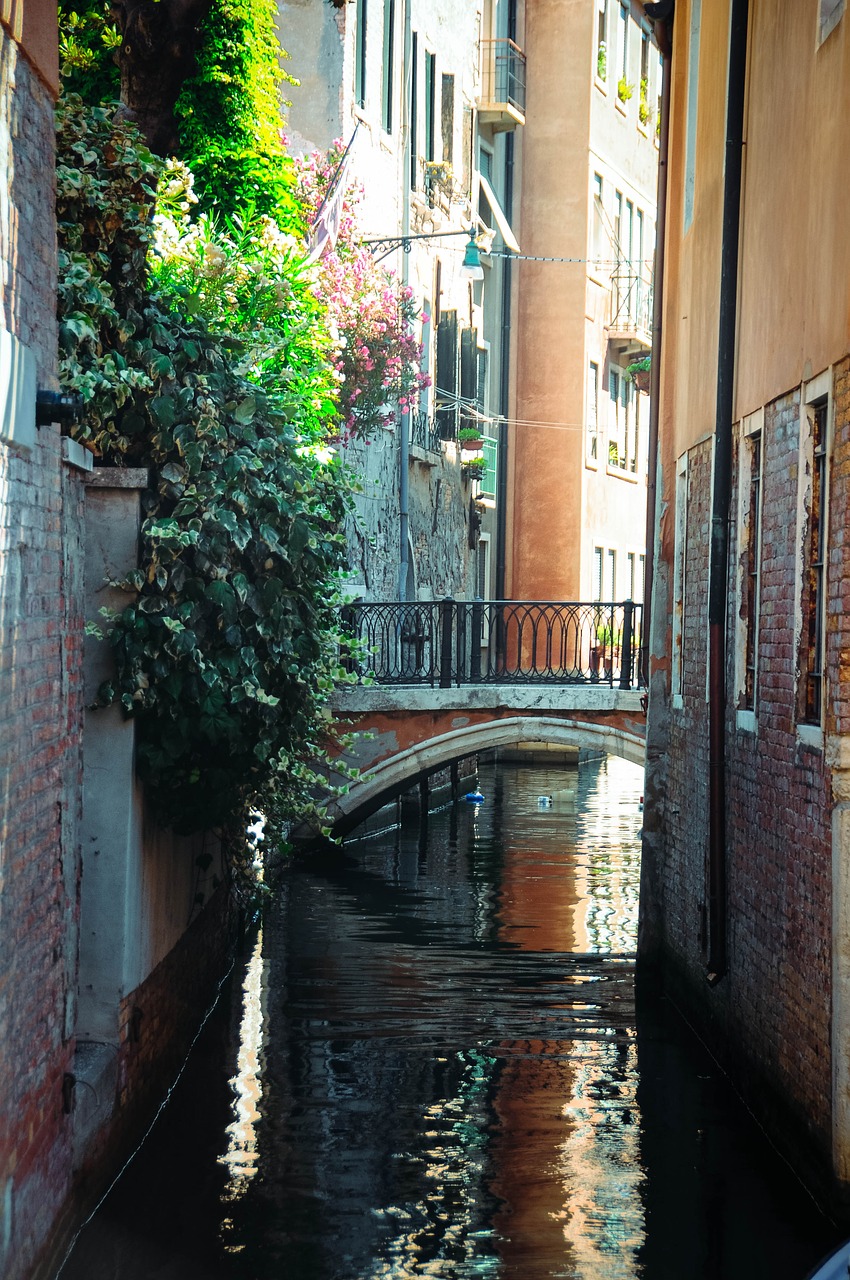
<point x="425" y="432"/>
<point x="450" y="642"/>
<point x="631" y="305"/>
<point x="502" y="98"/>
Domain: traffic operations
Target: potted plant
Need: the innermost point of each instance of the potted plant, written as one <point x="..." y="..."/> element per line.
<point x="602" y="61"/>
<point x="644" y="112"/>
<point x="639" y="371"/>
<point x="474" y="468"/>
<point x="624" y="89"/>
<point x="470" y="440"/>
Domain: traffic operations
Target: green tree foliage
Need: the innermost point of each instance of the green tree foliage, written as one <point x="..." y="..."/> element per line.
<point x="88" y="40"/>
<point x="229" y="114"/>
<point x="229" y="651"/>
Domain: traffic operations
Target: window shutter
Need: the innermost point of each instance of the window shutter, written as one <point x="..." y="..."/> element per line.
<point x="468" y="371"/>
<point x="447" y="375"/>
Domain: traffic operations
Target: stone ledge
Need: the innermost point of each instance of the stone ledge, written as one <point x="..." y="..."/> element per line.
<point x="119" y="478"/>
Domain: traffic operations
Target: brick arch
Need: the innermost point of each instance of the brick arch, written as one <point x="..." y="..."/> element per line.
<point x="389" y="767"/>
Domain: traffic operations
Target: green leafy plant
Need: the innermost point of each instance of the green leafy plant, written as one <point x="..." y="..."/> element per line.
<point x="229" y="651"/>
<point x="644" y="112"/>
<point x="229" y="117"/>
<point x="88" y="39"/>
<point x="639" y="371"/>
<point x="625" y="90"/>
<point x="602" y="61"/>
<point x="474" y="468"/>
<point x="469" y="435"/>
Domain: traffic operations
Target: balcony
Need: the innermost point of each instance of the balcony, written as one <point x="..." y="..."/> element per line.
<point x="502" y="100"/>
<point x="630" y="327"/>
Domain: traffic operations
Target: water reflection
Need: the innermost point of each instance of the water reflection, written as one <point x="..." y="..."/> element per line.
<point x="440" y="1073"/>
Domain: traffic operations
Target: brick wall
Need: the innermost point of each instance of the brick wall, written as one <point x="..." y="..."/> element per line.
<point x="40" y="646"/>
<point x="686" y="812"/>
<point x="770" y="1016"/>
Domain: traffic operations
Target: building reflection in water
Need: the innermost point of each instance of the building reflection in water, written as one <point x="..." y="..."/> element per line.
<point x="499" y="1153"/>
<point x="440" y="1073"/>
<point x="240" y="1158"/>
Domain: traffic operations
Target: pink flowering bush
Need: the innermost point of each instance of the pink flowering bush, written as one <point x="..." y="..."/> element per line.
<point x="372" y="313"/>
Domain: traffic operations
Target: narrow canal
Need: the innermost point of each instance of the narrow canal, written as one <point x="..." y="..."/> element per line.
<point x="431" y="1064"/>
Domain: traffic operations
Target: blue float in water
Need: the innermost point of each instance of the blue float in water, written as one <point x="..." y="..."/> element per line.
<point x="474" y="797"/>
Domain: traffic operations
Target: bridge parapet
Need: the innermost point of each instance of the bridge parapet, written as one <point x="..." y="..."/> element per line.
<point x="441" y="643"/>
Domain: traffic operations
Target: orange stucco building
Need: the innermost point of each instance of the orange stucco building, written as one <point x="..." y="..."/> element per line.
<point x="578" y="439"/>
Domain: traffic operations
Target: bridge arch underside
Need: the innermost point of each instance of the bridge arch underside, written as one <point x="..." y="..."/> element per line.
<point x="393" y="752"/>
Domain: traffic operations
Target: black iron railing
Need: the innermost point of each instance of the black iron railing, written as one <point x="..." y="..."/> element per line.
<point x="503" y="73"/>
<point x="458" y="642"/>
<point x="425" y="432"/>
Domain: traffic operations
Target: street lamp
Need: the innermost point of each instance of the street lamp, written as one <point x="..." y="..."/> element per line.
<point x="382" y="246"/>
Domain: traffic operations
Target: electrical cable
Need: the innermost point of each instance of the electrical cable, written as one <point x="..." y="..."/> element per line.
<point x="150" y="1127"/>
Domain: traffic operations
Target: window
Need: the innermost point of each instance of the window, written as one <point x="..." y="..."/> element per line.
<point x="610" y="577"/>
<point x="389" y="61"/>
<point x="602" y="39"/>
<point x="624" y="41"/>
<point x="447" y="388"/>
<point x="482" y="576"/>
<point x="593" y="411"/>
<point x="414" y="111"/>
<point x="680" y="559"/>
<point x="447" y="118"/>
<point x="618" y="222"/>
<point x="360" y="55"/>
<point x="639" y="265"/>
<point x="622" y="421"/>
<point x="430" y="103"/>
<point x="599" y="249"/>
<point x="597" y="573"/>
<point x="644" y="65"/>
<point x="638" y="595"/>
<point x="628" y="247"/>
<point x="811" y="665"/>
<point x="750" y="524"/>
<point x="487" y="487"/>
<point x="425" y="363"/>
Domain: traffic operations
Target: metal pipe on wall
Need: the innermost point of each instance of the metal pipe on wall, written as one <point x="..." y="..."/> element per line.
<point x="404" y="430"/>
<point x="662" y="15"/>
<point x="718" y="566"/>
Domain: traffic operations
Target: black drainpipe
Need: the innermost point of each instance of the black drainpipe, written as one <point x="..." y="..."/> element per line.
<point x="504" y="387"/>
<point x="718" y="571"/>
<point x="504" y="369"/>
<point x="662" y="16"/>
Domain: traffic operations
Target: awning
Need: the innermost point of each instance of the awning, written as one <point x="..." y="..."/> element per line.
<point x="498" y="214"/>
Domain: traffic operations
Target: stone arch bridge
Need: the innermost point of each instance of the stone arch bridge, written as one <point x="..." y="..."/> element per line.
<point x="402" y="734"/>
<point x="444" y="680"/>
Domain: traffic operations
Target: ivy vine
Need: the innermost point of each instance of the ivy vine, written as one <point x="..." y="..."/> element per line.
<point x="229" y="652"/>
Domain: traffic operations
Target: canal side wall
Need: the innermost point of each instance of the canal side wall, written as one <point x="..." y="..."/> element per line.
<point x="79" y="1076"/>
<point x="778" y="1019"/>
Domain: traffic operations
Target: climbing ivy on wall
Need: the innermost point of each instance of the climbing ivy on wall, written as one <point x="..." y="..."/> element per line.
<point x="228" y="651"/>
<point x="229" y="114"/>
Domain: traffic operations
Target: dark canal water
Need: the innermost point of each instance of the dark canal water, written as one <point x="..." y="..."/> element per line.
<point x="431" y="1065"/>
